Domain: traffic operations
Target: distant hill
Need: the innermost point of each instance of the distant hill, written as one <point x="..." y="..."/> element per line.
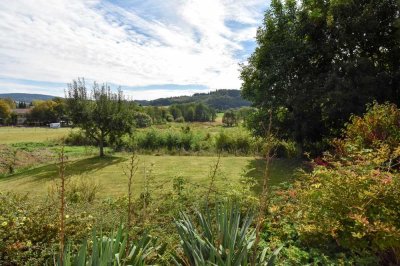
<point x="219" y="99"/>
<point x="26" y="97"/>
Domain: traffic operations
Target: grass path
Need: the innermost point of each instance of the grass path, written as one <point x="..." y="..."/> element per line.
<point x="108" y="173"/>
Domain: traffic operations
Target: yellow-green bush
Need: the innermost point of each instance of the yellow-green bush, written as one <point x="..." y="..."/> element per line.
<point x="353" y="196"/>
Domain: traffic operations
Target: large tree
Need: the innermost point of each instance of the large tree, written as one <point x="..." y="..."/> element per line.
<point x="101" y="113"/>
<point x="319" y="61"/>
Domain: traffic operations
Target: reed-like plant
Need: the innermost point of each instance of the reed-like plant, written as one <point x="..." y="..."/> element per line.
<point x="225" y="239"/>
<point x="107" y="251"/>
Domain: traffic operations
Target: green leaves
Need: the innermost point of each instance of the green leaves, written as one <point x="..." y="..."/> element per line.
<point x="323" y="61"/>
<point x="113" y="250"/>
<point x="352" y="198"/>
<point x="101" y="114"/>
<point x="224" y="239"/>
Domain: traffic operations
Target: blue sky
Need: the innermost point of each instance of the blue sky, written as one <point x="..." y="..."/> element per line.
<point x="151" y="48"/>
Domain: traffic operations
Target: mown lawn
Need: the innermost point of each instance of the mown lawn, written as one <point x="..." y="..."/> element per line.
<point x="108" y="173"/>
<point x="31" y="134"/>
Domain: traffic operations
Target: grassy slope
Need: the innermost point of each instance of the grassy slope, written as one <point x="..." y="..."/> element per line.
<point x="108" y="172"/>
<point x="10" y="135"/>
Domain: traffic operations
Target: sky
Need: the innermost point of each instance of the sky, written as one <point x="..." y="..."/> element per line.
<point x="151" y="48"/>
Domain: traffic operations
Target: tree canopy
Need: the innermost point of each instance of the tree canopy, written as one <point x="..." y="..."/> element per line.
<point x="45" y="112"/>
<point x="220" y="100"/>
<point x="229" y="119"/>
<point x="5" y="111"/>
<point x="319" y="61"/>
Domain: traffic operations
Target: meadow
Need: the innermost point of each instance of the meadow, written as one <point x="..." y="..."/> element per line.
<point x="107" y="173"/>
<point x="9" y="135"/>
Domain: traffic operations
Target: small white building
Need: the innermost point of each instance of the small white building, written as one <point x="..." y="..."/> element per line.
<point x="55" y="125"/>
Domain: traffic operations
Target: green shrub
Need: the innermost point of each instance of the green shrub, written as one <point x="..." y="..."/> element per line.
<point x="169" y="118"/>
<point x="83" y="189"/>
<point x="142" y="120"/>
<point x="286" y="149"/>
<point x="180" y="119"/>
<point x="173" y="141"/>
<point x="26" y="230"/>
<point x="79" y="138"/>
<point x="237" y="141"/>
<point x="242" y="143"/>
<point x="151" y="140"/>
<point x="224" y="142"/>
<point x="187" y="141"/>
<point x="352" y="198"/>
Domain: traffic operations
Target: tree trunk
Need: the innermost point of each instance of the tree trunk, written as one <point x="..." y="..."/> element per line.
<point x="101" y="145"/>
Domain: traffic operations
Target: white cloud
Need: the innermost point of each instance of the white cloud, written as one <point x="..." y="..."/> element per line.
<point x="59" y="40"/>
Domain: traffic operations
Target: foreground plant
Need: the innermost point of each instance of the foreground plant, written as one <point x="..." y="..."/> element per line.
<point x="61" y="190"/>
<point x="352" y="197"/>
<point x="226" y="239"/>
<point x="112" y="250"/>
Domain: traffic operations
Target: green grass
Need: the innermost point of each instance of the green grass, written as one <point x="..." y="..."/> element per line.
<point x="13" y="135"/>
<point x="108" y="173"/>
<point x="31" y="134"/>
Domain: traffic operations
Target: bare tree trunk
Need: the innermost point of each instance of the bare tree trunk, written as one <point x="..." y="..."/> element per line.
<point x="101" y="144"/>
<point x="213" y="175"/>
<point x="130" y="172"/>
<point x="61" y="173"/>
<point x="264" y="193"/>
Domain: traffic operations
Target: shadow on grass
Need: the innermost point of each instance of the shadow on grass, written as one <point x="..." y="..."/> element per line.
<point x="282" y="170"/>
<point x="75" y="167"/>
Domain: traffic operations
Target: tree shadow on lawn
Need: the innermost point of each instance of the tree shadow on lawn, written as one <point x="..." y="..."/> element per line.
<point x="75" y="167"/>
<point x="282" y="170"/>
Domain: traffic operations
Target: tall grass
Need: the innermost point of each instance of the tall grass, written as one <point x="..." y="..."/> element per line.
<point x="237" y="141"/>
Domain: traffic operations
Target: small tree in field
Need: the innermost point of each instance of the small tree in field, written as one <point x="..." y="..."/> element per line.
<point x="100" y="114"/>
<point x="229" y="119"/>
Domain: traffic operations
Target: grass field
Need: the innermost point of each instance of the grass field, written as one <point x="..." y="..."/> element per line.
<point x="108" y="173"/>
<point x="10" y="135"/>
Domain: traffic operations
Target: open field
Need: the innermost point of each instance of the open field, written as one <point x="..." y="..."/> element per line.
<point x="108" y="173"/>
<point x="10" y="135"/>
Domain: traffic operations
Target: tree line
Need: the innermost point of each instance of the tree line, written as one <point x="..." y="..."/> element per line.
<point x="43" y="112"/>
<point x="220" y="100"/>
